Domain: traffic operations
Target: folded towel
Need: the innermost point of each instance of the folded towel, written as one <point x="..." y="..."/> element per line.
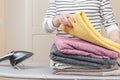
<point x="81" y="47"/>
<point x="114" y="67"/>
<point x="60" y="65"/>
<point x="113" y="71"/>
<point x="83" y="29"/>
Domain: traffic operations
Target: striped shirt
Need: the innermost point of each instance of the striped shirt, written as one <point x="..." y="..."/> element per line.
<point x="99" y="12"/>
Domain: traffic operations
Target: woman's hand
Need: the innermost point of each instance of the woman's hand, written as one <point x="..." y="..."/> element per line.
<point x="115" y="36"/>
<point x="62" y="19"/>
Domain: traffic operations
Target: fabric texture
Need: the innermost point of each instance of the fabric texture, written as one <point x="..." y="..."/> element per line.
<point x="114" y="71"/>
<point x="61" y="66"/>
<point x="81" y="47"/>
<point x="79" y="60"/>
<point x="99" y="14"/>
<point x="115" y="67"/>
<point x="83" y="29"/>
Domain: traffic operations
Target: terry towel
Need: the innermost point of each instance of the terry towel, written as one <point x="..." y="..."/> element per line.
<point x="60" y="65"/>
<point x="114" y="71"/>
<point x="81" y="47"/>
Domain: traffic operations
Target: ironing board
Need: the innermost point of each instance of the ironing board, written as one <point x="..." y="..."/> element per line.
<point x="41" y="71"/>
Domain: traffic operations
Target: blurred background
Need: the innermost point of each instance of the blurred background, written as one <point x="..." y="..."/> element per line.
<point x="21" y="28"/>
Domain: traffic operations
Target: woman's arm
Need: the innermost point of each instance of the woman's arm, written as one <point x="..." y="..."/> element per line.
<point x="109" y="22"/>
<point x="52" y="21"/>
<point x="50" y="13"/>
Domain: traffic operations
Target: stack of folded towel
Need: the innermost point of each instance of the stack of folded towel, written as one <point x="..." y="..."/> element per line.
<point x="76" y="55"/>
<point x="87" y="54"/>
<point x="83" y="29"/>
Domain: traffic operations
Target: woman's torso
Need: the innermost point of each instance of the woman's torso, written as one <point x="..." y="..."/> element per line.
<point x="90" y="7"/>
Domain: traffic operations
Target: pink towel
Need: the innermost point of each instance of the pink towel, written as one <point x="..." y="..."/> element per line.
<point x="77" y="46"/>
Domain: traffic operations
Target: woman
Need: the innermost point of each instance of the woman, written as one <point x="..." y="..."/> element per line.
<point x="99" y="13"/>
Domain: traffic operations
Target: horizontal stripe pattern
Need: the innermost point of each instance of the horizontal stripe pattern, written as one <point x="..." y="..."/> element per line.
<point x="98" y="11"/>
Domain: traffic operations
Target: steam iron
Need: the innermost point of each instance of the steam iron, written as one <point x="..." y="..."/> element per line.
<point x="16" y="57"/>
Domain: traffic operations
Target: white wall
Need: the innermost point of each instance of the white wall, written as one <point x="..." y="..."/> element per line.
<point x="2" y="28"/>
<point x="116" y="9"/>
<point x="15" y="24"/>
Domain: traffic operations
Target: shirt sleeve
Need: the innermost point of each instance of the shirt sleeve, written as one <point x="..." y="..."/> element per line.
<point x="50" y="13"/>
<point x="108" y="19"/>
